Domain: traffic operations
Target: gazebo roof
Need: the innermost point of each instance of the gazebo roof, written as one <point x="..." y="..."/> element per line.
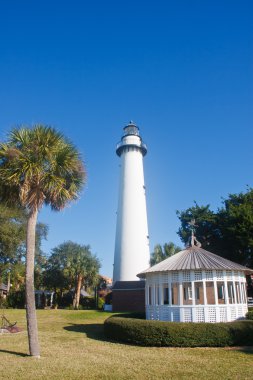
<point x="194" y="258"/>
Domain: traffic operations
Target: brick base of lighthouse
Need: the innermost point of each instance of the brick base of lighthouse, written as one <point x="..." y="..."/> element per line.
<point x="128" y="296"/>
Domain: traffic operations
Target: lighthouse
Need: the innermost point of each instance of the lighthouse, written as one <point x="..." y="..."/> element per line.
<point x="132" y="252"/>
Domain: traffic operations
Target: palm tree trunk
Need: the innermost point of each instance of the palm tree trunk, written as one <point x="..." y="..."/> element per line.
<point x="77" y="292"/>
<point x="30" y="297"/>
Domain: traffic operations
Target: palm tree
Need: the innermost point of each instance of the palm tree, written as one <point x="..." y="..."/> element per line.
<point x="161" y="253"/>
<point x="78" y="265"/>
<point x="38" y="166"/>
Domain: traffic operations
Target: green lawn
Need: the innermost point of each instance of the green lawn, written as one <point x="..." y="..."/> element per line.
<point x="73" y="347"/>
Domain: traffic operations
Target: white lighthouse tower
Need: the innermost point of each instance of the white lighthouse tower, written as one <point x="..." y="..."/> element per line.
<point x="132" y="241"/>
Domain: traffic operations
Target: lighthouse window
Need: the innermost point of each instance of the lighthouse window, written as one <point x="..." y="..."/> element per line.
<point x="131" y="131"/>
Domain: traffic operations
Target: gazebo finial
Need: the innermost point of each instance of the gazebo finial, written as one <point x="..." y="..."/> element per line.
<point x="192" y="241"/>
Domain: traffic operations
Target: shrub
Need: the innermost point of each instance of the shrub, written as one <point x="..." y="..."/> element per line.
<point x="3" y="303"/>
<point x="249" y="315"/>
<point x="65" y="301"/>
<point x="16" y="299"/>
<point x="176" y="334"/>
<point x="100" y="304"/>
<point x="88" y="303"/>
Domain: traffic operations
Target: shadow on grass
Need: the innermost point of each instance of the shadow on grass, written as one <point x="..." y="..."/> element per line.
<point x="14" y="353"/>
<point x="244" y="349"/>
<point x="93" y="331"/>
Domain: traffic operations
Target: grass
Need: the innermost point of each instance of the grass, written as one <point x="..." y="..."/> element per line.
<point x="73" y="347"/>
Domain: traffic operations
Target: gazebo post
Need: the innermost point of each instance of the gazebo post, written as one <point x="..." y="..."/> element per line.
<point x="205" y="300"/>
<point x="193" y="297"/>
<point x="225" y="288"/>
<point x="235" y="295"/>
<point x="180" y="298"/>
<point x="216" y="298"/>
<point x="241" y="291"/>
<point x="170" y="293"/>
<point x="234" y="290"/>
<point x="226" y="296"/>
<point x="244" y="293"/>
<point x="161" y="300"/>
<point x="153" y="295"/>
<point x="170" y="299"/>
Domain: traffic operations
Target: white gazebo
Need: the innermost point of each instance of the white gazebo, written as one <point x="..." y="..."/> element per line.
<point x="195" y="285"/>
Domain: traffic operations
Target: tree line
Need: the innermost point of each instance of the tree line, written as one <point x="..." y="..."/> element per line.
<point x="69" y="267"/>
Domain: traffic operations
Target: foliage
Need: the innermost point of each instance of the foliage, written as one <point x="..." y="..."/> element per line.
<point x="64" y="300"/>
<point x="207" y="223"/>
<point x="38" y="166"/>
<point x="3" y="302"/>
<point x="88" y="303"/>
<point x="227" y="232"/>
<point x="163" y="252"/>
<point x="13" y="221"/>
<point x="12" y="234"/>
<point x="71" y="266"/>
<point x="174" y="334"/>
<point x="54" y="279"/>
<point x="16" y="299"/>
<point x="249" y="314"/>
<point x="101" y="303"/>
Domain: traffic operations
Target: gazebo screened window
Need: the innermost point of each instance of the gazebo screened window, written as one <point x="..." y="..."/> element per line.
<point x="165" y="294"/>
<point x="187" y="289"/>
<point x="221" y="292"/>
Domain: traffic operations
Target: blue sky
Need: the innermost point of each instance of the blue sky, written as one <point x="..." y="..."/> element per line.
<point x="182" y="70"/>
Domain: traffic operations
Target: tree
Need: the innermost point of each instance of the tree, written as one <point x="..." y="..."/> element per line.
<point x="161" y="253"/>
<point x="75" y="266"/>
<point x="13" y="222"/>
<point x="227" y="232"/>
<point x="236" y="225"/>
<point x="38" y="166"/>
<point x="12" y="235"/>
<point x="208" y="230"/>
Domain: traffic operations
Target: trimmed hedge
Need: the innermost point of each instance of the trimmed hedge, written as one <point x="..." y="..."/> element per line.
<point x="176" y="334"/>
